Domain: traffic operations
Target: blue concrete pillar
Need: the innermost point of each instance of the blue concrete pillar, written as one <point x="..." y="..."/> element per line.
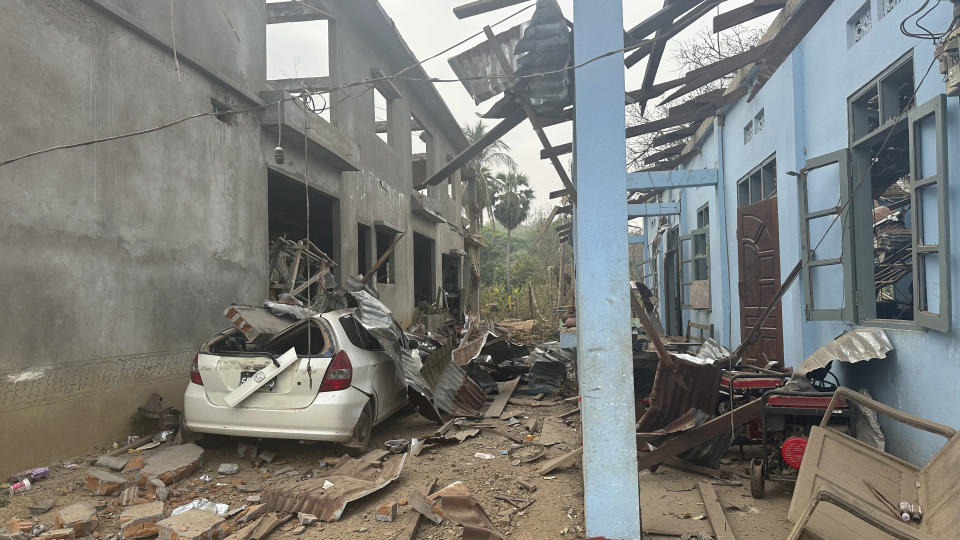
<point x="604" y="357"/>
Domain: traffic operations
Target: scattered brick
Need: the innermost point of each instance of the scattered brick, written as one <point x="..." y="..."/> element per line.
<point x="81" y="517"/>
<point x="140" y="521"/>
<point x="103" y="482"/>
<point x="16" y="526"/>
<point x="228" y="468"/>
<point x="129" y="496"/>
<point x="59" y="534"/>
<point x="387" y="512"/>
<point x="193" y="525"/>
<point x="134" y="464"/>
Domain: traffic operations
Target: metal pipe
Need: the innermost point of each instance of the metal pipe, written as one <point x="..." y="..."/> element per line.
<point x="725" y="303"/>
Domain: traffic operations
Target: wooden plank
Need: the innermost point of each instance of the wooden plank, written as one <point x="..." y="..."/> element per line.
<point x="646" y="46"/>
<point x="470" y="152"/>
<point x="506" y="390"/>
<point x="702" y="433"/>
<point x="664" y="154"/>
<point x="413" y="524"/>
<point x="673" y="136"/>
<point x="261" y="378"/>
<point x="742" y="14"/>
<point x="423" y="508"/>
<point x="681" y="465"/>
<point x="662" y="18"/>
<point x="634" y="131"/>
<point x="561" y="461"/>
<point x="479" y="7"/>
<point x="383" y="258"/>
<point x="546" y="224"/>
<point x="559" y="193"/>
<point x="721" y="528"/>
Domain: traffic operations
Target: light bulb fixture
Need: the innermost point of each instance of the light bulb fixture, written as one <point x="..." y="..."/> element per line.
<point x="278" y="155"/>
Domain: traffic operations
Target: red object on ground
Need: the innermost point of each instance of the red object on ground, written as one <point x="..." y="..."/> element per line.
<point x="792" y="451"/>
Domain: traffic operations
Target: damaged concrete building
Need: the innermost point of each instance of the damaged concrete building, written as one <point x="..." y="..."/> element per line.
<point x="120" y="257"/>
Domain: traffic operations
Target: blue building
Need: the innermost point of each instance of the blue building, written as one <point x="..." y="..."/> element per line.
<point x="846" y="158"/>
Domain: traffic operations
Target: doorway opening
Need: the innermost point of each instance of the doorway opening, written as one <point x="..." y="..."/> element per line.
<point x="450" y="264"/>
<point x="287" y="214"/>
<point x="423" y="260"/>
<point x="364" y="248"/>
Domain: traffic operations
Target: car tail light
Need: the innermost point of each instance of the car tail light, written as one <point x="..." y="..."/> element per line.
<point x="195" y="377"/>
<point x="339" y="374"/>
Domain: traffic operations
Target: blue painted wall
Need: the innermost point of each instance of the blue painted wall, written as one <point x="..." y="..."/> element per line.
<point x="805" y="110"/>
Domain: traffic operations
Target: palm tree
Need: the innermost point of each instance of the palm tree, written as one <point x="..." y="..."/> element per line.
<point x="512" y="204"/>
<point x="477" y="197"/>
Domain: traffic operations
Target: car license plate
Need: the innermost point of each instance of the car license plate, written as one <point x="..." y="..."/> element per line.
<point x="269" y="387"/>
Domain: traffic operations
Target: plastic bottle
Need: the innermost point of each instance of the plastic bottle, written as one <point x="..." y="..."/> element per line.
<point x="20" y="487"/>
<point x="905" y="510"/>
<point x="31" y="474"/>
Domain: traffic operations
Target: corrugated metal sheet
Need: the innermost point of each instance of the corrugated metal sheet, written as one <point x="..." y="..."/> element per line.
<point x="456" y="393"/>
<point x="351" y="479"/>
<point x="546" y="47"/>
<point x="669" y="400"/>
<point x="854" y="346"/>
<point x="482" y="61"/>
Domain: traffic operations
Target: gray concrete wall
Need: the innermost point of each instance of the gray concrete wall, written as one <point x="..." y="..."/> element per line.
<point x="118" y="258"/>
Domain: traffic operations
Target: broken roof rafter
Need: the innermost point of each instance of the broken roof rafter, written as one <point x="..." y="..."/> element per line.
<point x="742" y="14"/>
<point x="480" y="7"/>
<point x="644" y="47"/>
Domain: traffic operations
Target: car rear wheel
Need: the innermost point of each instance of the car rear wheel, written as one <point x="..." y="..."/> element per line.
<point x="361" y="432"/>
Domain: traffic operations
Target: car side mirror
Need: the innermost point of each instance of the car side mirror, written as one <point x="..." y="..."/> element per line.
<point x="413" y="344"/>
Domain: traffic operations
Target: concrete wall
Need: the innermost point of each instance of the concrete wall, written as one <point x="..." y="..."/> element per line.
<point x="805" y="109"/>
<point x="118" y="258"/>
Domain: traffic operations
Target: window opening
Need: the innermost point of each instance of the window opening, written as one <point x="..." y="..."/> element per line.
<point x="363" y="248"/>
<point x="859" y="24"/>
<point x="386" y="274"/>
<point x="381" y="116"/>
<point x="759" y="184"/>
<point x="222" y="112"/>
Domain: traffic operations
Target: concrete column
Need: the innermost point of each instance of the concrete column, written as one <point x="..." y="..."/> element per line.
<point x="604" y="358"/>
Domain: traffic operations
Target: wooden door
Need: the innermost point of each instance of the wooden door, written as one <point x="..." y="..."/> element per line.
<point x="759" y="254"/>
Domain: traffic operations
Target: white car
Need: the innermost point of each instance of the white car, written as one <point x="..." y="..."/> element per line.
<point x="337" y="393"/>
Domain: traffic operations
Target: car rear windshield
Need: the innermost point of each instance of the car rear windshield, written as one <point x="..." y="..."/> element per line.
<point x="358" y="335"/>
<point x="297" y="338"/>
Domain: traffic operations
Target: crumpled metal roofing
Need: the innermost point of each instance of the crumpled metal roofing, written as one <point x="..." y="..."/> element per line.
<point x="546" y="47"/>
<point x="351" y="479"/>
<point x="669" y="400"/>
<point x="377" y="319"/>
<point x="482" y="61"/>
<point x="442" y="383"/>
<point x="854" y="346"/>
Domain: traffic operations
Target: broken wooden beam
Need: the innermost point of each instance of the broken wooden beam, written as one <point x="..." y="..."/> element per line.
<point x="644" y="47"/>
<point x="742" y="14"/>
<point x="546" y="224"/>
<point x="700" y="434"/>
<point x="721" y="528"/>
<point x="563" y="460"/>
<point x="383" y="258"/>
<point x="470" y="152"/>
<point x="480" y="7"/>
<point x="500" y="402"/>
<point x="559" y="193"/>
<point x="661" y="18"/>
<point x="673" y="136"/>
<point x="413" y="524"/>
<point x="664" y="154"/>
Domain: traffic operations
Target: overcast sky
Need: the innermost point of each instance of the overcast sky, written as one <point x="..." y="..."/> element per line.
<point x="429" y="26"/>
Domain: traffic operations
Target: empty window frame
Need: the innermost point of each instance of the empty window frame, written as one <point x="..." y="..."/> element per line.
<point x="364" y="248"/>
<point x="387" y="273"/>
<point x="759" y="184"/>
<point x="859" y="24"/>
<point x="695" y="263"/>
<point x="382" y="116"/>
<point x="302" y="51"/>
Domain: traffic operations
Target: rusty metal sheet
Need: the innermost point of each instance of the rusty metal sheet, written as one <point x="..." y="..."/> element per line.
<point x="479" y="69"/>
<point x="854" y="346"/>
<point x="468" y="350"/>
<point x="454" y="391"/>
<point x="258" y="324"/>
<point x="351" y="479"/>
<point x="669" y="400"/>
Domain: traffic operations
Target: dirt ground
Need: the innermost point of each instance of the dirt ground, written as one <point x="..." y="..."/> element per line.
<point x="670" y="498"/>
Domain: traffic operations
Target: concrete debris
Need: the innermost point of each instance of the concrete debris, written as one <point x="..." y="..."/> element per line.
<point x="16" y="526"/>
<point x="418" y="503"/>
<point x="159" y="489"/>
<point x="252" y="513"/>
<point x="246" y="451"/>
<point x="306" y="519"/>
<point x="58" y="534"/>
<point x="134" y="464"/>
<point x="193" y="525"/>
<point x="103" y="482"/>
<point x="81" y="517"/>
<point x="254" y="499"/>
<point x="116" y="463"/>
<point x="228" y="468"/>
<point x="140" y="521"/>
<point x="40" y="507"/>
<point x="170" y="465"/>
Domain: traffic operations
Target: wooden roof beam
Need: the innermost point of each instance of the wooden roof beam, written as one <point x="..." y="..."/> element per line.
<point x="664" y="154"/>
<point x="742" y="14"/>
<point x="673" y="136"/>
<point x="471" y="151"/>
<point x="480" y="7"/>
<point x="646" y="46"/>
